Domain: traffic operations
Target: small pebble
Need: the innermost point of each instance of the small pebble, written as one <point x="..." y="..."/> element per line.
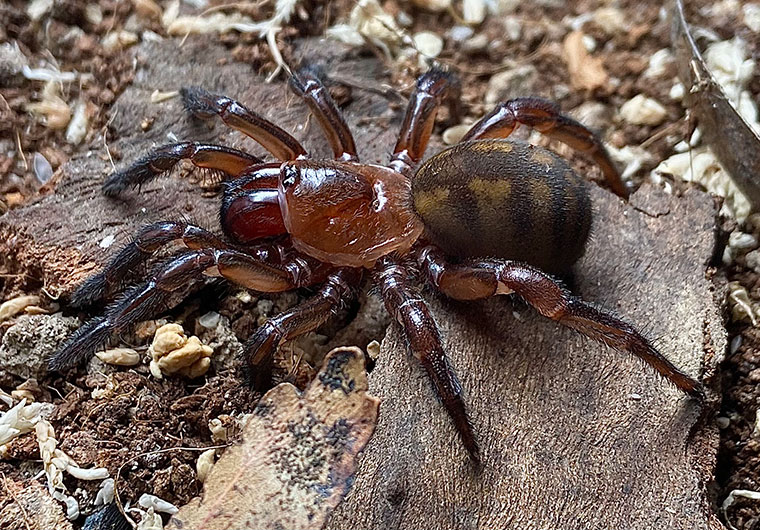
<point x="722" y="422"/>
<point x="641" y="110"/>
<point x="42" y="168"/>
<point x="460" y="33"/>
<point x="428" y="44"/>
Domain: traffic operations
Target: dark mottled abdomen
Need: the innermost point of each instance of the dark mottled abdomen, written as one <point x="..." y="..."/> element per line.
<point x="498" y="198"/>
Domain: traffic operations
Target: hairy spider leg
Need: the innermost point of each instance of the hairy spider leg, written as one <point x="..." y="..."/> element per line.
<point x="307" y="84"/>
<point x="277" y="141"/>
<point x="404" y="303"/>
<point x="433" y="87"/>
<point x="148" y="240"/>
<point x="143" y="301"/>
<point x="338" y="289"/>
<point x="545" y="116"/>
<point x="481" y="279"/>
<point x="225" y="160"/>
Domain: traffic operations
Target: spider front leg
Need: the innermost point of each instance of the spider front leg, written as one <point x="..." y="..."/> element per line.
<point x="545" y="116"/>
<point x="485" y="278"/>
<point x="145" y="300"/>
<point x="147" y="241"/>
<point x="432" y="88"/>
<point x="339" y="288"/>
<point x="217" y="158"/>
<point x="277" y="141"/>
<point x="410" y="310"/>
<point x="307" y="84"/>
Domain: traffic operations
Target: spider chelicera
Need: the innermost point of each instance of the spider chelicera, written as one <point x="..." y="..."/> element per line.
<point x="487" y="216"/>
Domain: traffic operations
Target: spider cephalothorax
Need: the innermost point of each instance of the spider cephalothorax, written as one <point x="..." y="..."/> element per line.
<point x="487" y="216"/>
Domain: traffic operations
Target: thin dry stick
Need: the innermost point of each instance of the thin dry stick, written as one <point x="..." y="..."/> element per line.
<point x="116" y="479"/>
<point x="15" y="499"/>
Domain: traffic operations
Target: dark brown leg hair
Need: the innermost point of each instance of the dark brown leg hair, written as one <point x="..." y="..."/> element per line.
<point x="224" y="160"/>
<point x="489" y="277"/>
<point x="404" y="303"/>
<point x="307" y="84"/>
<point x="433" y="87"/>
<point x="145" y="300"/>
<point x="545" y="116"/>
<point x="339" y="288"/>
<point x="274" y="139"/>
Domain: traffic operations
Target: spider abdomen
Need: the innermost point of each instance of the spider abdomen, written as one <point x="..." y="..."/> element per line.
<point x="504" y="199"/>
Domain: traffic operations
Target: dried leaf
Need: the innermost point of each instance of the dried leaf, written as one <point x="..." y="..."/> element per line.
<point x="734" y="142"/>
<point x="32" y="507"/>
<point x="586" y="72"/>
<point x="298" y="454"/>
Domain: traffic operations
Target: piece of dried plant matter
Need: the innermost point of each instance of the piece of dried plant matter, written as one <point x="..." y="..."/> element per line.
<point x="14" y="306"/>
<point x="586" y="72"/>
<point x="729" y="133"/>
<point x="298" y="454"/>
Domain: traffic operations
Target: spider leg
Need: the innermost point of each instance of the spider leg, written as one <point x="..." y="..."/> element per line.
<point x="339" y="288"/>
<point x="433" y="87"/>
<point x="145" y="300"/>
<point x="404" y="303"/>
<point x="307" y="84"/>
<point x="545" y="116"/>
<point x="162" y="160"/>
<point x="274" y="139"/>
<point x="551" y="299"/>
<point x="148" y="240"/>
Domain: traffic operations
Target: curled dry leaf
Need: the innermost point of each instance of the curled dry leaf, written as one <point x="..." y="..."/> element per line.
<point x="731" y="138"/>
<point x="298" y="454"/>
<point x="586" y="72"/>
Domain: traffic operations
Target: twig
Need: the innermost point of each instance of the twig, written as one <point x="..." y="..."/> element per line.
<point x="116" y="496"/>
<point x="15" y="499"/>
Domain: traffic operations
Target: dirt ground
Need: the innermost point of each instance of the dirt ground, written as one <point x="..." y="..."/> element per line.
<point x="135" y="414"/>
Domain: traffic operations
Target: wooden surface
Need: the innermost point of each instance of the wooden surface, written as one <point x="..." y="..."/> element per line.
<point x="573" y="435"/>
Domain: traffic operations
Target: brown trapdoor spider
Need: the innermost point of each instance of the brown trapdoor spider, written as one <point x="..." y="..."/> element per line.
<point x="487" y="216"/>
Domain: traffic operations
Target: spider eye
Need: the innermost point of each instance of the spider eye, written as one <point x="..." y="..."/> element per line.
<point x="289" y="175"/>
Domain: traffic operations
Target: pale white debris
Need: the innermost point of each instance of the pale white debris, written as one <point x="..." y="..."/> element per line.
<point x="204" y="464"/>
<point x="158" y="96"/>
<point x="148" y="501"/>
<point x="119" y="356"/>
<point x="147" y="8"/>
<point x="37" y="8"/>
<point x="631" y="157"/>
<point x="174" y="353"/>
<point x="747" y="494"/>
<point x="513" y="27"/>
<point x="733" y="70"/>
<point x="474" y="11"/>
<point x="42" y="168"/>
<point x="428" y="44"/>
<point x="6" y="398"/>
<point x="751" y="12"/>
<point x="149" y="520"/>
<point x="611" y="19"/>
<point x="454" y="134"/>
<point x="373" y="349"/>
<point x="48" y="74"/>
<point x="218" y="430"/>
<point x="677" y="91"/>
<point x="210" y="320"/>
<point x="93" y="14"/>
<point x="346" y="34"/>
<point x="740" y="304"/>
<point x="14" y="306"/>
<point x="700" y="165"/>
<point x="53" y="110"/>
<point x="742" y="241"/>
<point x="107" y="241"/>
<point x="119" y="39"/>
<point x="643" y="110"/>
<point x="461" y="33"/>
<point x="658" y="63"/>
<point x="77" y="129"/>
<point x="376" y="25"/>
<point x="55" y="462"/>
<point x="19" y="420"/>
<point x="106" y="493"/>
<point x="433" y="5"/>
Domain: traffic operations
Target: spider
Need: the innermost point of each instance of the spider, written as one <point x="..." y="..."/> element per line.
<point x="487" y="216"/>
